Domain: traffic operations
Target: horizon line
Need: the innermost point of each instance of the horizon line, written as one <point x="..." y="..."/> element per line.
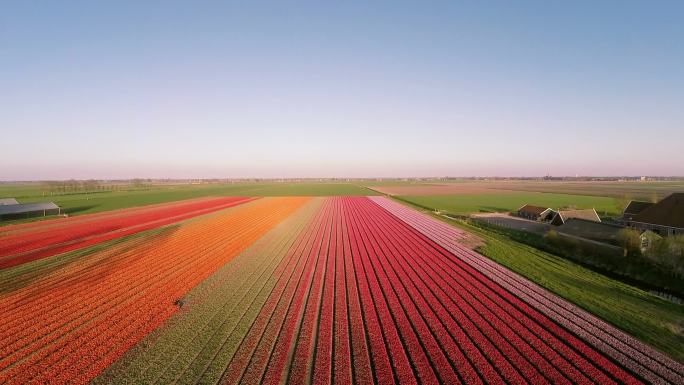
<point x="475" y="177"/>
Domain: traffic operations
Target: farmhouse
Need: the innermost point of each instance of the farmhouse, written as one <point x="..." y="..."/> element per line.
<point x="536" y="213"/>
<point x="12" y="211"/>
<point x="634" y="208"/>
<point x="663" y="218"/>
<point x="586" y="214"/>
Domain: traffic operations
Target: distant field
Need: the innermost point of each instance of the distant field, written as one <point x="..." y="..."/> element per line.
<point x="631" y="190"/>
<point x="436" y="189"/>
<point x="457" y="197"/>
<point x="463" y="204"/>
<point x="649" y="191"/>
<point x="85" y="203"/>
<point x="398" y="182"/>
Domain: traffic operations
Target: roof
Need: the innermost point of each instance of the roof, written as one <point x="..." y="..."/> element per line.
<point x="590" y="229"/>
<point x="534" y="210"/>
<point x="668" y="212"/>
<point x="8" y="201"/>
<point x="27" y="208"/>
<point x="586" y="214"/>
<point x="635" y="207"/>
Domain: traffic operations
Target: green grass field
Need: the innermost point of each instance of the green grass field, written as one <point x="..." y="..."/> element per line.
<point x="647" y="317"/>
<point x="599" y="195"/>
<point x="464" y="204"/>
<point x="86" y="203"/>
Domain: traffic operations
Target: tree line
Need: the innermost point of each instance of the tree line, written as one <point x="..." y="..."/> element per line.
<point x="72" y="186"/>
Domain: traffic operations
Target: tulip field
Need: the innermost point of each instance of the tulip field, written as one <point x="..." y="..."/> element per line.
<point x="31" y="241"/>
<point x="297" y="290"/>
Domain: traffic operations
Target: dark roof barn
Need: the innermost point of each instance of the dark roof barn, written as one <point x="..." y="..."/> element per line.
<point x="635" y="207"/>
<point x="668" y="212"/>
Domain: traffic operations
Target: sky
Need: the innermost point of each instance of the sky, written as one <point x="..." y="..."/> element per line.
<point x="166" y="89"/>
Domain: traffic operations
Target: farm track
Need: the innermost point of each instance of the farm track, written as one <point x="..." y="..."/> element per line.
<point x="105" y="309"/>
<point x="28" y="242"/>
<point x="649" y="363"/>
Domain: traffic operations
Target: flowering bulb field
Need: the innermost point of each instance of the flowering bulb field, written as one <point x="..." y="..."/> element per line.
<point x="293" y="290"/>
<point x="31" y="241"/>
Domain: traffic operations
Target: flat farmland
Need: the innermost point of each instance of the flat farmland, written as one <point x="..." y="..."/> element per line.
<point x="303" y="290"/>
<point x="436" y="189"/>
<point x="119" y="197"/>
<point x="639" y="190"/>
<point x="499" y="201"/>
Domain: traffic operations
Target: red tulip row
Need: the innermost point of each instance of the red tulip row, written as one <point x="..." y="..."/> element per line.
<point x="317" y="311"/>
<point x="25" y="243"/>
<point x="369" y="299"/>
<point x="639" y="358"/>
<point x="72" y="323"/>
<point x="341" y="303"/>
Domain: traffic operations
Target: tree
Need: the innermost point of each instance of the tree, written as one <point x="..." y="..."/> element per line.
<point x="668" y="252"/>
<point x="630" y="240"/>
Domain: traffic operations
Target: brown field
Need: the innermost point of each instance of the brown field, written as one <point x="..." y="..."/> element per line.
<point x="647" y="190"/>
<point x="438" y="189"/>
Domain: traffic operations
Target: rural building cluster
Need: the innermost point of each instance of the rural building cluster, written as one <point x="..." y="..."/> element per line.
<point x="652" y="221"/>
<point x="556" y="217"/>
<point x="664" y="218"/>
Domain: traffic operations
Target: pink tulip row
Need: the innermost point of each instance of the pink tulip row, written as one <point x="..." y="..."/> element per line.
<point x="639" y="358"/>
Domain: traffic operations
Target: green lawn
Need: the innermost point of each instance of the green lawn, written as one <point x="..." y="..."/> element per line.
<point x="651" y="319"/>
<point x="646" y="190"/>
<point x="463" y="204"/>
<point x="75" y="204"/>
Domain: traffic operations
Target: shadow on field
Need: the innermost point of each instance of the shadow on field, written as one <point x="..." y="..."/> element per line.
<point x="78" y="209"/>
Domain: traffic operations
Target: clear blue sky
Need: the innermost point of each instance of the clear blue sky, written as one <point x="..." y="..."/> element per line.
<point x="182" y="89"/>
